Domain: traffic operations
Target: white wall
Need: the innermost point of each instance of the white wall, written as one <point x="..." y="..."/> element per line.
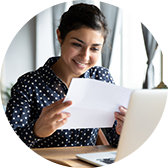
<point x="44" y="37"/>
<point x="128" y="64"/>
<point x="20" y="55"/>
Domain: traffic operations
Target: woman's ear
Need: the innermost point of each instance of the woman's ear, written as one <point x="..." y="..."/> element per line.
<point x="59" y="36"/>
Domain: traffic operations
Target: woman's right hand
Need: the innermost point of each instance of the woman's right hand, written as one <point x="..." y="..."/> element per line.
<point x="51" y="119"/>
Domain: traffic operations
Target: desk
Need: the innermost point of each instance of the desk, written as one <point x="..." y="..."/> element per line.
<point x="66" y="155"/>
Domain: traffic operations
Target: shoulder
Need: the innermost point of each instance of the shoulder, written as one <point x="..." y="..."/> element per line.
<point x="24" y="84"/>
<point x="40" y="74"/>
<point x="100" y="73"/>
<point x="28" y="77"/>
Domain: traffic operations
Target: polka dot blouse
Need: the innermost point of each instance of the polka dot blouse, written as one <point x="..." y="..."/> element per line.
<point x="37" y="89"/>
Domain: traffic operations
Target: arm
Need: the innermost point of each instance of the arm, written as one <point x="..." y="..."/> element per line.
<point x="111" y="135"/>
<point x="19" y="114"/>
<point x="26" y="120"/>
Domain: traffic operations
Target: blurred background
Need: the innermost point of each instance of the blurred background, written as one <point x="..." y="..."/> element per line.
<point x="131" y="52"/>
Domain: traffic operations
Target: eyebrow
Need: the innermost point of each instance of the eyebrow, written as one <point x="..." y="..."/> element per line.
<point x="84" y="42"/>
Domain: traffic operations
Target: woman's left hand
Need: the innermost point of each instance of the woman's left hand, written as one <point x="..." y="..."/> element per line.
<point x="120" y="117"/>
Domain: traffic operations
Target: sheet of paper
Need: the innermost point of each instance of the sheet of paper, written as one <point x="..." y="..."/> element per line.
<point x="94" y="103"/>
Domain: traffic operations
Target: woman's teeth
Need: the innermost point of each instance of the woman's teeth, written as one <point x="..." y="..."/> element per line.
<point x="79" y="63"/>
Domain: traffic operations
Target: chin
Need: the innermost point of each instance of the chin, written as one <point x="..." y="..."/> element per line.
<point x="80" y="73"/>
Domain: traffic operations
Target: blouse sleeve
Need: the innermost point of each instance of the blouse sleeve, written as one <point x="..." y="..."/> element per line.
<point x="111" y="135"/>
<point x="20" y="115"/>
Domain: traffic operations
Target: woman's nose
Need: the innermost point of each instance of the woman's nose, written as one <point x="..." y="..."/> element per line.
<point x="85" y="54"/>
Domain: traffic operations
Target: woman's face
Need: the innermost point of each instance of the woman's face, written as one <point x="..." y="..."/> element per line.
<point x="80" y="50"/>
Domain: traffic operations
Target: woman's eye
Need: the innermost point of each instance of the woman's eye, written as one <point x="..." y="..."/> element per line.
<point x="95" y="49"/>
<point x="77" y="45"/>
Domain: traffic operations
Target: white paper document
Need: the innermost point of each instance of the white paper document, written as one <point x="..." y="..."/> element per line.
<point x="94" y="103"/>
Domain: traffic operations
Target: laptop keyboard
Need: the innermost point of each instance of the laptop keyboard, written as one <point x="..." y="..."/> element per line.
<point x="106" y="160"/>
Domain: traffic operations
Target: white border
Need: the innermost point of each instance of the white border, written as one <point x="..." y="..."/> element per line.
<point x="14" y="14"/>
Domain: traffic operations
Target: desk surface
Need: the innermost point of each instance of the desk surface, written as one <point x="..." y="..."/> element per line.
<point x="66" y="155"/>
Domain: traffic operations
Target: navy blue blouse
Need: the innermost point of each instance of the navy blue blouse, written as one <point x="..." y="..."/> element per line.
<point x="37" y="89"/>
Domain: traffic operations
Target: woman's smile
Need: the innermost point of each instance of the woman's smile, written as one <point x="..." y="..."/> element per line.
<point x="80" y="64"/>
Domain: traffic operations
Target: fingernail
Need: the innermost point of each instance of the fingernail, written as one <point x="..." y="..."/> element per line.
<point x="122" y="108"/>
<point x="69" y="102"/>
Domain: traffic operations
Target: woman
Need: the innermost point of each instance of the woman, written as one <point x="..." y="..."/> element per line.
<point x="37" y="97"/>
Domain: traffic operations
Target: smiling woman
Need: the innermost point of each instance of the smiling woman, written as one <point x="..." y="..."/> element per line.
<point x="79" y="52"/>
<point x="34" y="110"/>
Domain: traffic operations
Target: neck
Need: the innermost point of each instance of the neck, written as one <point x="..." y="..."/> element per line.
<point x="62" y="71"/>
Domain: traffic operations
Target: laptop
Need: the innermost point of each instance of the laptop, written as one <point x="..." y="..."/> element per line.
<point x="144" y="113"/>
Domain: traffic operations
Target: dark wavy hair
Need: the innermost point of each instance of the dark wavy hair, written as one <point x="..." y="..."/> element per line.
<point x="83" y="15"/>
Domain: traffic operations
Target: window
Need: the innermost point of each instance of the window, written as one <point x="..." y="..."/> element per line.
<point x="128" y="64"/>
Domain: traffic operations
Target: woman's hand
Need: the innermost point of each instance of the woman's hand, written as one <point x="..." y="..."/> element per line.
<point x="51" y="119"/>
<point x="120" y="117"/>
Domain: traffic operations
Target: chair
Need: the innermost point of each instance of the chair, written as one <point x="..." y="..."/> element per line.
<point x="101" y="139"/>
